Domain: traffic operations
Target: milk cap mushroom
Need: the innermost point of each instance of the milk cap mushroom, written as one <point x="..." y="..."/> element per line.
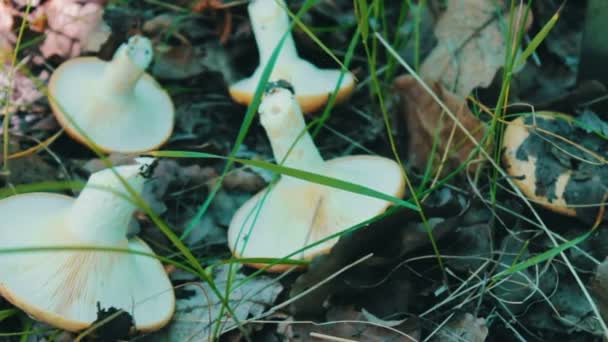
<point x="269" y="21"/>
<point x="555" y="163"/>
<point x="297" y="213"/>
<point x="63" y="287"/>
<point x="116" y="104"/>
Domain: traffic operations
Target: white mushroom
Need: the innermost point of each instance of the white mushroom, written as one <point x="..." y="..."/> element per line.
<point x="297" y="213"/>
<point x="115" y="104"/>
<point x="269" y="21"/>
<point x="63" y="287"/>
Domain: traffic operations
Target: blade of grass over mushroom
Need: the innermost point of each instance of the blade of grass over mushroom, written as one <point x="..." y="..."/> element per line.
<point x="349" y="230"/>
<point x="99" y="249"/>
<point x="296" y="173"/>
<point x="247" y="120"/>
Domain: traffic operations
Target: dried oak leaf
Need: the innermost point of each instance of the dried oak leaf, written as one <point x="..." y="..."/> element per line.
<point x="344" y="322"/>
<point x="471" y="45"/>
<point x="424" y="116"/>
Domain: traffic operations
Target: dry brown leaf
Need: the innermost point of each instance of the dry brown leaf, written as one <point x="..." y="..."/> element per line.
<point x="471" y="45"/>
<point x="424" y="116"/>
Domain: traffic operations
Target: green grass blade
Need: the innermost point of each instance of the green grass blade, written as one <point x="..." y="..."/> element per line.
<point x="537" y="40"/>
<point x="296" y="173"/>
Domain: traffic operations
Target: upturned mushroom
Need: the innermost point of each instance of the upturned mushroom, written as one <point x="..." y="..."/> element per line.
<point x="297" y="213"/>
<point x="557" y="164"/>
<point x="269" y="21"/>
<point x="116" y="104"/>
<point x="64" y="287"/>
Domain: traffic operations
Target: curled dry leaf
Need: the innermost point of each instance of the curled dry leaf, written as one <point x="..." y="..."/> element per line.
<point x="471" y="45"/>
<point x="424" y="117"/>
<point x="73" y="27"/>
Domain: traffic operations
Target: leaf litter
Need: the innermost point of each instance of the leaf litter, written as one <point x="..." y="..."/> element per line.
<point x="394" y="293"/>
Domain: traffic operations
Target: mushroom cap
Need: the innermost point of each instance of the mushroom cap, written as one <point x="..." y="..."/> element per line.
<point x="62" y="288"/>
<point x="312" y="85"/>
<point x="296" y="214"/>
<point x="136" y="123"/>
<point x="523" y="170"/>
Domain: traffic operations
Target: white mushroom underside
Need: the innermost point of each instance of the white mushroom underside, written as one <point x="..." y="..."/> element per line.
<point x="293" y="216"/>
<point x="306" y="79"/>
<point x="66" y="285"/>
<point x="140" y="123"/>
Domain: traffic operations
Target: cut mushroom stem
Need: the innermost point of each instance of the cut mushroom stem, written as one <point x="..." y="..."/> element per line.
<point x="102" y="212"/>
<point x="269" y="21"/>
<point x="282" y="118"/>
<point x="128" y="65"/>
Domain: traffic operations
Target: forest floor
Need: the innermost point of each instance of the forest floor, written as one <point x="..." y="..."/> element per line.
<point x="475" y="262"/>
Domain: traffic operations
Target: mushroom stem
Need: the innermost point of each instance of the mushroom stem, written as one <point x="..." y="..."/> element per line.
<point x="101" y="213"/>
<point x="282" y="118"/>
<point x="128" y="65"/>
<point x="270" y="21"/>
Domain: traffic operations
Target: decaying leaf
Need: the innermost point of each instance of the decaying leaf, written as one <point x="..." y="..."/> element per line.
<point x="471" y="44"/>
<point x="198" y="308"/>
<point x="73" y="27"/>
<point x="184" y="58"/>
<point x="344" y="322"/>
<point x="424" y="117"/>
<point x="463" y="328"/>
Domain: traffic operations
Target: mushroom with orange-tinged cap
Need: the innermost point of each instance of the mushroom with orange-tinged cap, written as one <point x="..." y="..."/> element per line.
<point x="559" y="162"/>
<point x="312" y="85"/>
<point x="297" y="213"/>
<point x="116" y="104"/>
<point x="64" y="287"/>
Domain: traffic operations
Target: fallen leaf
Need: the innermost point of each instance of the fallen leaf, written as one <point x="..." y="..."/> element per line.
<point x="176" y="56"/>
<point x="424" y="117"/>
<point x="463" y="328"/>
<point x="471" y="45"/>
<point x="73" y="28"/>
<point x="344" y="322"/>
<point x="197" y="308"/>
